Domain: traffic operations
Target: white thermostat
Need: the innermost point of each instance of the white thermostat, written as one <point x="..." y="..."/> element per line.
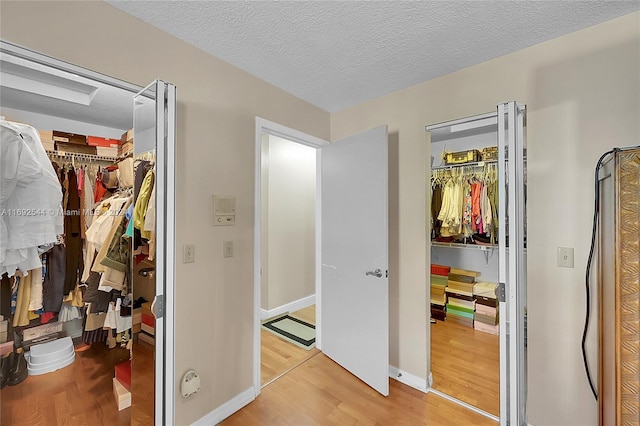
<point x="224" y="210"/>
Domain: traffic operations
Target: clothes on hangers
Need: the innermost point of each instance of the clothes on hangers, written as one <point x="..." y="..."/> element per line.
<point x="82" y="241"/>
<point x="30" y="199"/>
<point x="463" y="205"/>
<point x="73" y="240"/>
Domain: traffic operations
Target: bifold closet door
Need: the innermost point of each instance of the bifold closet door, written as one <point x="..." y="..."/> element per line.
<point x="154" y="132"/>
<point x="512" y="263"/>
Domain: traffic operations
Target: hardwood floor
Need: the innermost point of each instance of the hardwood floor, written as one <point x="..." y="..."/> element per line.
<point x="466" y="365"/>
<point x="320" y="392"/>
<point x="279" y="356"/>
<point x="80" y="394"/>
<point x="307" y="314"/>
<point x="142" y="385"/>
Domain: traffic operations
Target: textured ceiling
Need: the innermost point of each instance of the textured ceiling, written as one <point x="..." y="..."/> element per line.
<point x="335" y="54"/>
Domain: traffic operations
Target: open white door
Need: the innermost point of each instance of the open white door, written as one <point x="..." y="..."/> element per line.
<point x="354" y="256"/>
<point x="154" y="133"/>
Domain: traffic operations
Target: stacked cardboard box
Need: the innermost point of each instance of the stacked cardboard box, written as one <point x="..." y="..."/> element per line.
<point x="3" y="329"/>
<point x="72" y="143"/>
<point x="137" y="321"/>
<point x="122" y="395"/>
<point x="460" y="302"/>
<point x="126" y="143"/>
<point x="148" y="325"/>
<point x="46" y="137"/>
<point x="41" y="334"/>
<point x="486" y="318"/>
<point x="105" y="147"/>
<point x="439" y="274"/>
<point x="123" y="373"/>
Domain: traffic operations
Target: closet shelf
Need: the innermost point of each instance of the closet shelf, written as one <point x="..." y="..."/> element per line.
<point x="474" y="164"/>
<point x="469" y="246"/>
<point x="89" y="157"/>
<point x="457" y="166"/>
<point x="465" y="246"/>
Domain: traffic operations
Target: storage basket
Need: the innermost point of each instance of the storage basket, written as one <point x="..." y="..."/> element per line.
<point x="462" y="157"/>
<point x="490" y="153"/>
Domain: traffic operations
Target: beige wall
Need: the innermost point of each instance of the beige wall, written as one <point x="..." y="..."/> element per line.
<point x="291" y="200"/>
<point x="582" y="93"/>
<point x="217" y="104"/>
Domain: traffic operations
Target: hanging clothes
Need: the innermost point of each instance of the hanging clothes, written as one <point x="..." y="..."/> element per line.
<point x="54" y="281"/>
<point x="73" y="238"/>
<point x="150" y="224"/>
<point x="436" y="205"/>
<point x="142" y="203"/>
<point x="30" y="199"/>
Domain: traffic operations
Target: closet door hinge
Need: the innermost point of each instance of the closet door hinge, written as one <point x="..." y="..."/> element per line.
<point x="500" y="293"/>
<point x="157" y="307"/>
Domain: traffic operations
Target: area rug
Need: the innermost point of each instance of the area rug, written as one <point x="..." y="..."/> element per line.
<point x="293" y="330"/>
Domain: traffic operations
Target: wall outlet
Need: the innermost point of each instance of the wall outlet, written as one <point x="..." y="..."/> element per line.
<point x="565" y="257"/>
<point x="227" y="248"/>
<point x="189" y="253"/>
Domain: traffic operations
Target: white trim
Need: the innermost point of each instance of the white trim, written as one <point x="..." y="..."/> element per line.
<point x="408" y="379"/>
<point x="461" y="121"/>
<point x="264" y="126"/>
<point x="170" y="258"/>
<point x="227" y="409"/>
<point x="275" y="129"/>
<point x="296" y="305"/>
<point x="464" y="404"/>
<point x="318" y="249"/>
<point x="161" y="229"/>
<point x="502" y="268"/>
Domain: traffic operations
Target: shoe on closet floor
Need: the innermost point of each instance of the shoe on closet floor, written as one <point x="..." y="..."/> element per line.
<point x="18" y="369"/>
<point x="5" y="369"/>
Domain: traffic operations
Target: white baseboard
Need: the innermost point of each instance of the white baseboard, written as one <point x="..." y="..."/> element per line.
<point x="296" y="305"/>
<point x="227" y="409"/>
<point x="408" y="379"/>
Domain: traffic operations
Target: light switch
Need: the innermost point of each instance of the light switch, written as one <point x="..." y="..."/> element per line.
<point x="228" y="248"/>
<point x="565" y="257"/>
<point x="189" y="253"/>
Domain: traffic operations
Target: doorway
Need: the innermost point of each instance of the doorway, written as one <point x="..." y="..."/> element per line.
<point x="287" y="212"/>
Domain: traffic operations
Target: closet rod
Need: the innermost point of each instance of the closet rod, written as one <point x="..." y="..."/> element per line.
<point x="457" y="166"/>
<point x="80" y="156"/>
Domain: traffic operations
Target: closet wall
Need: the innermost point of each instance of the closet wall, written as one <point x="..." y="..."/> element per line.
<point x="581" y="92"/>
<point x="217" y="106"/>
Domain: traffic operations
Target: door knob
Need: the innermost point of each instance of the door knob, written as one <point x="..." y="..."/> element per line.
<point x="376" y="273"/>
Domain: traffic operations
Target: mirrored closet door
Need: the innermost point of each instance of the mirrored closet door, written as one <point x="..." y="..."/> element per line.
<point x="87" y="245"/>
<point x="478" y="271"/>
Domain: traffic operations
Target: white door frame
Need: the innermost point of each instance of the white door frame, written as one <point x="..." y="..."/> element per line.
<point x="267" y="127"/>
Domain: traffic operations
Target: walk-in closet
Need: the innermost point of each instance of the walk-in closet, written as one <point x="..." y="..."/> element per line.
<point x="79" y="246"/>
<point x="476" y="223"/>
